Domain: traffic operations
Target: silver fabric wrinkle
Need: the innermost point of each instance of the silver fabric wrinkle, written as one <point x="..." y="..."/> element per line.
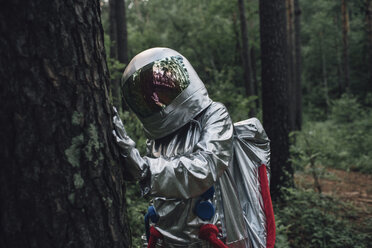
<point x="251" y="140"/>
<point x="185" y="159"/>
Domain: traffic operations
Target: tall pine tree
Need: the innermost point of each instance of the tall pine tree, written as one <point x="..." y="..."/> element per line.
<point x="60" y="182"/>
<point x="275" y="92"/>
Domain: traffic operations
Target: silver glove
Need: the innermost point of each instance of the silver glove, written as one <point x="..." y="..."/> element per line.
<point x="121" y="137"/>
<point x="136" y="166"/>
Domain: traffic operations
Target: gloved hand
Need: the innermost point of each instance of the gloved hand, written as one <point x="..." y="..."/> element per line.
<point x="121" y="137"/>
<point x="136" y="166"/>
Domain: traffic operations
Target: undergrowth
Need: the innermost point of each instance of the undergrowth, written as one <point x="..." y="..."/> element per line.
<point x="343" y="141"/>
<point x="310" y="220"/>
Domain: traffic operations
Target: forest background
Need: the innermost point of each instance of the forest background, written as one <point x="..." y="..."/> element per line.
<point x="304" y="68"/>
<point x="329" y="72"/>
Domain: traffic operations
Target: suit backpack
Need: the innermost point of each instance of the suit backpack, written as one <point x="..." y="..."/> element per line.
<point x="251" y="172"/>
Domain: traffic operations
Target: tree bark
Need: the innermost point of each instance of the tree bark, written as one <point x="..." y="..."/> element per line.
<point x="345" y="44"/>
<point x="60" y="181"/>
<point x="297" y="66"/>
<point x="275" y="92"/>
<point x="247" y="67"/>
<point x="291" y="77"/>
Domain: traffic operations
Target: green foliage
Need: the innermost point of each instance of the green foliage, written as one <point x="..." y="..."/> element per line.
<point x="134" y="128"/>
<point x="305" y="156"/>
<point x="322" y="47"/>
<point x="237" y="103"/>
<point x="343" y="141"/>
<point x="137" y="208"/>
<point x="281" y="239"/>
<point x="346" y="110"/>
<point x="207" y="34"/>
<point x="116" y="68"/>
<point x="311" y="220"/>
<point x="137" y="205"/>
<point x="336" y="133"/>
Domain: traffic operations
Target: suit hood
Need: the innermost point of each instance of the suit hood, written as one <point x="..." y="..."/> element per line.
<point x="162" y="88"/>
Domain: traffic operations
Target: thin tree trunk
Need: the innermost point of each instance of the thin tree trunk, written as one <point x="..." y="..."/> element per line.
<point x="324" y="72"/>
<point x="118" y="31"/>
<point x="254" y="74"/>
<point x="119" y="43"/>
<point x="345" y="43"/>
<point x="247" y="67"/>
<point x="297" y="66"/>
<point x="60" y="181"/>
<point x="369" y="35"/>
<point x="121" y="33"/>
<point x="113" y="29"/>
<point x="275" y="92"/>
<point x="290" y="58"/>
<point x="237" y="54"/>
<point x="315" y="175"/>
<point x="339" y="59"/>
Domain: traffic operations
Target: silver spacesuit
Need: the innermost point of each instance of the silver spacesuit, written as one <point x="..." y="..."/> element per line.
<point x="189" y="149"/>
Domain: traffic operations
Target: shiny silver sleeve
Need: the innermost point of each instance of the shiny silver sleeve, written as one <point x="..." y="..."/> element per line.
<point x="136" y="166"/>
<point x="192" y="174"/>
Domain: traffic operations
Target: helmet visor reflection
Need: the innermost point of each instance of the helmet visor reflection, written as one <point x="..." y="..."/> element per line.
<point x="154" y="86"/>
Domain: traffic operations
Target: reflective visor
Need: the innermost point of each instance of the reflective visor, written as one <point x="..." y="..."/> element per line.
<point x="154" y="86"/>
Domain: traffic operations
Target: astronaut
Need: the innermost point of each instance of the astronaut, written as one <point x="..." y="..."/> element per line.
<point x="189" y="150"/>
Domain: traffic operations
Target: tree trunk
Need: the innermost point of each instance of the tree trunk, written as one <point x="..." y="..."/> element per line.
<point x="345" y="44"/>
<point x="297" y="66"/>
<point x="60" y="181"/>
<point x="290" y="61"/>
<point x="369" y="35"/>
<point x="254" y="75"/>
<point x="247" y="67"/>
<point x="324" y="72"/>
<point x="121" y="25"/>
<point x="113" y="29"/>
<point x="118" y="31"/>
<point x="339" y="59"/>
<point x="237" y="54"/>
<point x="274" y="91"/>
<point x="119" y="42"/>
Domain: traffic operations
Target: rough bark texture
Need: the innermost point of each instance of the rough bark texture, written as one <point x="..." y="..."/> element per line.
<point x="247" y="67"/>
<point x="345" y="45"/>
<point x="274" y="91"/>
<point x="60" y="183"/>
<point x="297" y="66"/>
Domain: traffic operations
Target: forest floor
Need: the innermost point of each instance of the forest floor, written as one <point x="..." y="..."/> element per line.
<point x="351" y="187"/>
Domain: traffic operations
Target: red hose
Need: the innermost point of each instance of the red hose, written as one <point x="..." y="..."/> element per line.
<point x="209" y="232"/>
<point x="268" y="207"/>
<point x="154" y="236"/>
